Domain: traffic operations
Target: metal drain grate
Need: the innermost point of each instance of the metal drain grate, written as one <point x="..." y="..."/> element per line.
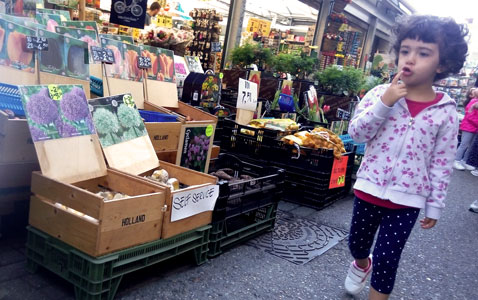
<point x="298" y="240"/>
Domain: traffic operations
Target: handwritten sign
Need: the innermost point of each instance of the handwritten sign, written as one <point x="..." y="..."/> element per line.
<point x="342" y="114"/>
<point x="247" y="96"/>
<point x="55" y="92"/>
<point x="37" y="43"/>
<point x="164" y="21"/>
<point x="339" y="169"/>
<point x="144" y="62"/>
<point x="104" y="55"/>
<point x="193" y="201"/>
<point x="259" y="26"/>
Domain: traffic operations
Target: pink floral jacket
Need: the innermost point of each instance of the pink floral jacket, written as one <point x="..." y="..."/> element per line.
<point x="407" y="160"/>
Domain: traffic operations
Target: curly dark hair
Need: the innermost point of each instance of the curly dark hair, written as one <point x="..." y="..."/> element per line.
<point x="449" y="36"/>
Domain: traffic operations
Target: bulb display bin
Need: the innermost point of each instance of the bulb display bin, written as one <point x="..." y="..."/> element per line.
<point x="193" y="181"/>
<point x="59" y="209"/>
<point x="99" y="278"/>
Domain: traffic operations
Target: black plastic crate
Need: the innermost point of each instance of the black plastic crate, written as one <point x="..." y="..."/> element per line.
<point x="249" y="140"/>
<point x="240" y="228"/>
<point x="244" y="195"/>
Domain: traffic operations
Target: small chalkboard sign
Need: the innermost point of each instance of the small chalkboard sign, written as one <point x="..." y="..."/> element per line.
<point x="104" y="55"/>
<point x="144" y="62"/>
<point x="37" y="43"/>
<point x="342" y="114"/>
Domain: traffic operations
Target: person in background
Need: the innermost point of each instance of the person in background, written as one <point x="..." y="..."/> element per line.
<point x="153" y="11"/>
<point x="411" y="134"/>
<point x="469" y="131"/>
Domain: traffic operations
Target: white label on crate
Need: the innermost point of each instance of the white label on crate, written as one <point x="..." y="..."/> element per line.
<point x="193" y="202"/>
<point x="247" y="95"/>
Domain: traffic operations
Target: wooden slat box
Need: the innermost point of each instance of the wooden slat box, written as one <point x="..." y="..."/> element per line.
<point x="194" y="180"/>
<point x="120" y="223"/>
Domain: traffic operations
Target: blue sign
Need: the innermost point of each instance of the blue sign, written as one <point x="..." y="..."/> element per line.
<point x="131" y="13"/>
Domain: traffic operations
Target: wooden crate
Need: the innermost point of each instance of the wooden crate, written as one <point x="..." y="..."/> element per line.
<point x="194" y="180"/>
<point x="165" y="136"/>
<point x="120" y="223"/>
<point x="16" y="144"/>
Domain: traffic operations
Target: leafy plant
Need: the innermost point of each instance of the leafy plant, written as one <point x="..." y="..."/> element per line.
<point x="243" y="56"/>
<point x="296" y="65"/>
<point x="247" y="54"/>
<point x="369" y="83"/>
<point x="338" y="81"/>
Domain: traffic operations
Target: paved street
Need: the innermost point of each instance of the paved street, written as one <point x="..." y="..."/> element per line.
<point x="437" y="264"/>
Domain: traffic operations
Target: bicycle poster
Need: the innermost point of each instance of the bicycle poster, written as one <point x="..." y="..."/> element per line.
<point x="131" y="13"/>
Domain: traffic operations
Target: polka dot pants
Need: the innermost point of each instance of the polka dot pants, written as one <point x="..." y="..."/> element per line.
<point x="395" y="227"/>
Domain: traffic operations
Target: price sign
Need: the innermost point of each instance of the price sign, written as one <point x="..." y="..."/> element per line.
<point x="339" y="170"/>
<point x="193" y="201"/>
<point x="144" y="62"/>
<point x="247" y="96"/>
<point x="104" y="55"/>
<point x="37" y="43"/>
<point x="164" y="21"/>
<point x="342" y="114"/>
<point x="55" y="92"/>
<point x="216" y="46"/>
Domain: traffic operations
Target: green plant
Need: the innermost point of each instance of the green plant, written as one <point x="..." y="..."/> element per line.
<point x="243" y="56"/>
<point x="247" y="54"/>
<point x="330" y="80"/>
<point x="353" y="80"/>
<point x="338" y="81"/>
<point x="369" y="83"/>
<point x="296" y="65"/>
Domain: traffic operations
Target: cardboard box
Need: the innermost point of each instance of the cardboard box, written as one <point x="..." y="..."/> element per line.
<point x="16" y="144"/>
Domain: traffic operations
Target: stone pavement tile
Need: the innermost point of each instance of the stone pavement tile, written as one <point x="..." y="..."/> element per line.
<point x="287" y="206"/>
<point x="303" y="211"/>
<point x="10" y="256"/>
<point x="62" y="290"/>
<point x="13" y="271"/>
<point x="40" y="279"/>
<point x="17" y="289"/>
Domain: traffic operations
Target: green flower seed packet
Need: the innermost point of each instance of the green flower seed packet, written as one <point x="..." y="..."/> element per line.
<point x="116" y="119"/>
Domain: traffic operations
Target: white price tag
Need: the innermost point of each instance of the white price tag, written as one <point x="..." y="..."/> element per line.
<point x="247" y="95"/>
<point x="193" y="202"/>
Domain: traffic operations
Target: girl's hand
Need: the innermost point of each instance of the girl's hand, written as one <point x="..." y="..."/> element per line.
<point x="395" y="91"/>
<point x="427" y="223"/>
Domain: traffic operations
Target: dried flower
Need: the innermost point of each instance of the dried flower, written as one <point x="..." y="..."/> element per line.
<point x="41" y="108"/>
<point x="74" y="105"/>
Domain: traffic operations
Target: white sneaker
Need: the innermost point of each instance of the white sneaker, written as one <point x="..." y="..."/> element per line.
<point x="474" y="206"/>
<point x="458" y="165"/>
<point x="357" y="277"/>
<point x="474" y="173"/>
<point x="468" y="167"/>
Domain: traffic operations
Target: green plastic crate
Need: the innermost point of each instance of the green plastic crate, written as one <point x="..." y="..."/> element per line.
<point x="241" y="228"/>
<point x="99" y="278"/>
